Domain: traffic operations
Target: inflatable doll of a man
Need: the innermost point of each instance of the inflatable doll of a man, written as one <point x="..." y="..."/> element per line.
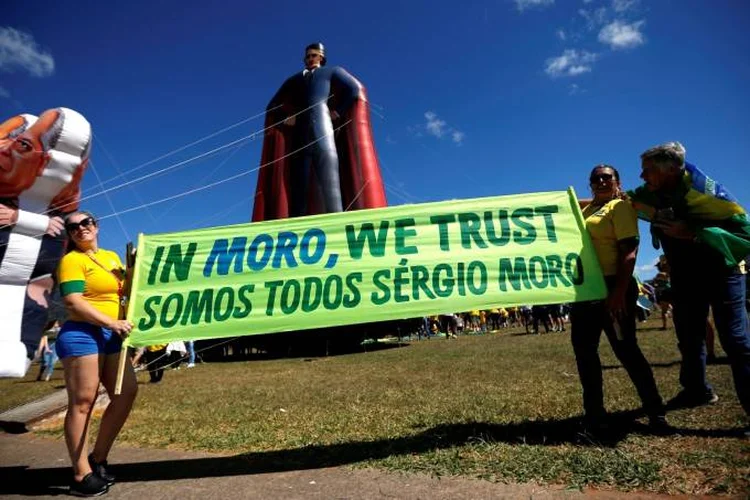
<point x="318" y="152"/>
<point x="42" y="162"/>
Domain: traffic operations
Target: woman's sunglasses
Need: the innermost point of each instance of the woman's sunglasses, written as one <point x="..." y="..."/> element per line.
<point x="74" y="226"/>
<point x="601" y="177"/>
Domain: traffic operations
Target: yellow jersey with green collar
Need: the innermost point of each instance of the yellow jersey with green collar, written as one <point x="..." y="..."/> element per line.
<point x="607" y="225"/>
<point x="79" y="273"/>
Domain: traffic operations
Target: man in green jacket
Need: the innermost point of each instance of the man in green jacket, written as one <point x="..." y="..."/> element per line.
<point x="705" y="234"/>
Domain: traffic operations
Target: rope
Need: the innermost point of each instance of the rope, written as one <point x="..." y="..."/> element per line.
<point x="109" y="201"/>
<point x="227" y="179"/>
<point x="195" y="190"/>
<point x="196" y="352"/>
<point x="182" y="148"/>
<point x="183" y="162"/>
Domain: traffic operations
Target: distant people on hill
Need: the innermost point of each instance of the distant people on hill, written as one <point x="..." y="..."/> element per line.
<point x="47" y="354"/>
<point x="705" y="234"/>
<point x="556" y="316"/>
<point x="540" y="314"/>
<point x="156" y="359"/>
<point x="663" y="290"/>
<point x="475" y="320"/>
<point x="526" y="319"/>
<point x="493" y="319"/>
<point x="449" y="324"/>
<point x="613" y="227"/>
<point x="190" y="346"/>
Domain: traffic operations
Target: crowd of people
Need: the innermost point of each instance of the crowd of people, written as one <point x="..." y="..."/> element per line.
<point x="552" y="317"/>
<point x="692" y="223"/>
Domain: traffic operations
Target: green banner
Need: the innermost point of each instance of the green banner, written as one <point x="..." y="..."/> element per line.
<point x="357" y="267"/>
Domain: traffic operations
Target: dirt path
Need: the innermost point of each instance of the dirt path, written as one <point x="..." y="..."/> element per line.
<point x="35" y="466"/>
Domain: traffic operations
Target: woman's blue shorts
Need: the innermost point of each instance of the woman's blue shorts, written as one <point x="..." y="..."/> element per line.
<point x="78" y="338"/>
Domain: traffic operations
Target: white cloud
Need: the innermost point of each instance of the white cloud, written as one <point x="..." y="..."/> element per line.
<point x="647" y="268"/>
<point x="4" y="93"/>
<point x="620" y="35"/>
<point x="574" y="89"/>
<point x="570" y="63"/>
<point x="623" y="5"/>
<point x="415" y="130"/>
<point x="561" y="34"/>
<point x="594" y="17"/>
<point x="522" y="5"/>
<point x="438" y="128"/>
<point x="18" y="50"/>
<point x="435" y="126"/>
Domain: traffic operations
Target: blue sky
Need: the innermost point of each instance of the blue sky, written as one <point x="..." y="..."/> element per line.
<point x="479" y="99"/>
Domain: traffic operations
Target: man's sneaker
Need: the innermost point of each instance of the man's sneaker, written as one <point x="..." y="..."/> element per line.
<point x="191" y="365"/>
<point x="100" y="469"/>
<point x="90" y="486"/>
<point x="685" y="399"/>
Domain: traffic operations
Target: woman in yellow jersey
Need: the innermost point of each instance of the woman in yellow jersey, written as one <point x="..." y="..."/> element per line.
<point x="91" y="284"/>
<point x="613" y="227"/>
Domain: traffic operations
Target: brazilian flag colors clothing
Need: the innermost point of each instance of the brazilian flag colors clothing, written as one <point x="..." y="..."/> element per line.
<point x="607" y="225"/>
<point x="714" y="214"/>
<point x="94" y="276"/>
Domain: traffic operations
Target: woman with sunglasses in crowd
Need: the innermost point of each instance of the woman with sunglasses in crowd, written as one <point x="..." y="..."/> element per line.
<point x="92" y="284"/>
<point x="613" y="227"/>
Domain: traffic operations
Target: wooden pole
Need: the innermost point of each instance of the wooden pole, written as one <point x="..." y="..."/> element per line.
<point x="121" y="369"/>
<point x="130" y="263"/>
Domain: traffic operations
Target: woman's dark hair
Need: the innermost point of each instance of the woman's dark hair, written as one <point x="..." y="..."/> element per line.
<point x="604" y="165"/>
<point x="70" y="245"/>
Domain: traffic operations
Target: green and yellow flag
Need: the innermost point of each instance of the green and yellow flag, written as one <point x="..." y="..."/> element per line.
<point x="357" y="267"/>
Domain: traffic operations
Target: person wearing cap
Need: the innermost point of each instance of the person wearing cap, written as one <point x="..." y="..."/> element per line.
<point x="41" y="165"/>
<point x="318" y="146"/>
<point x="705" y="234"/>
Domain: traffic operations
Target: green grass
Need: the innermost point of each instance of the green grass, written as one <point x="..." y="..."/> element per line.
<point x="15" y="392"/>
<point x="503" y="407"/>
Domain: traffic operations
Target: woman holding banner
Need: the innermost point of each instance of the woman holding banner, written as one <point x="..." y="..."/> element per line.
<point x="612" y="224"/>
<point x="91" y="284"/>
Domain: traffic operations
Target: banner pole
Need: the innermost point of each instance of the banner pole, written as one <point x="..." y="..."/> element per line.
<point x="129" y="263"/>
<point x="121" y="369"/>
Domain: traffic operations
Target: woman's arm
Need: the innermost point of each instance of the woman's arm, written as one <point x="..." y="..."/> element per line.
<point x="75" y="303"/>
<point x="627" y="251"/>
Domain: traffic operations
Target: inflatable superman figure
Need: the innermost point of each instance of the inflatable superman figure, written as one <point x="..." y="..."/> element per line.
<point x="42" y="161"/>
<point x="318" y="152"/>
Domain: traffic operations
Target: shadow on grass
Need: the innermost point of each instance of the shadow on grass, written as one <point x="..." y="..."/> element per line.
<point x="667" y="364"/>
<point x="652" y="329"/>
<point x="296" y="350"/>
<point x="52" y="481"/>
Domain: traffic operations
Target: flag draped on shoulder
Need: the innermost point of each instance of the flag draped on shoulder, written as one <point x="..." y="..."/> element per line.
<point x="708" y="207"/>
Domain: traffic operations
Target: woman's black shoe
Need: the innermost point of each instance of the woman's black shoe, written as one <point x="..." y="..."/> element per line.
<point x="90" y="486"/>
<point x="100" y="469"/>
